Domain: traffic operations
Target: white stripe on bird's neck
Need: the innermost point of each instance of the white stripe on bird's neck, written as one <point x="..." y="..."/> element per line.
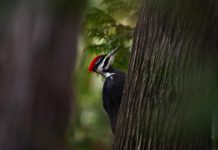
<point x="108" y="74"/>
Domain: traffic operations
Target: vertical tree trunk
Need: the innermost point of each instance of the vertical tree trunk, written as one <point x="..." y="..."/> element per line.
<point x="38" y="43"/>
<point x="167" y="98"/>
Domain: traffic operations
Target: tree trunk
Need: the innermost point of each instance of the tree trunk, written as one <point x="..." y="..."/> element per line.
<point x="38" y="43"/>
<point x="167" y="99"/>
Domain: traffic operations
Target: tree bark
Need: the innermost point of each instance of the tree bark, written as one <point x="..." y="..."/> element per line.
<point x="38" y="43"/>
<point x="168" y="95"/>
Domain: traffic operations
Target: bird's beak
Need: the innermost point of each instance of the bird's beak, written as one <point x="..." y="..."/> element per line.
<point x="112" y="53"/>
<point x="111" y="57"/>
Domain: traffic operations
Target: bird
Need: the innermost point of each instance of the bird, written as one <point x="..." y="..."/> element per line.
<point x="113" y="84"/>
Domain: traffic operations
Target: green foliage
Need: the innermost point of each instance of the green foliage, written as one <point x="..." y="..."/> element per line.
<point x="108" y="26"/>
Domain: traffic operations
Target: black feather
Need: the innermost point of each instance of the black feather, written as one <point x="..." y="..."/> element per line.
<point x="112" y="94"/>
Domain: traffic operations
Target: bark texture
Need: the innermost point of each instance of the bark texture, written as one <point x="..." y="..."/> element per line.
<point x="38" y="41"/>
<point x="167" y="99"/>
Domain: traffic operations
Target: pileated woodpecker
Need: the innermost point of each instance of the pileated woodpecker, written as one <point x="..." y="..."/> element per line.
<point x="113" y="84"/>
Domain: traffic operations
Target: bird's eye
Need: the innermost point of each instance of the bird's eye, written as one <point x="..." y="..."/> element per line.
<point x="98" y="63"/>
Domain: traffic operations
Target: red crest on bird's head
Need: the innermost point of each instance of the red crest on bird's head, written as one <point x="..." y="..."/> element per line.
<point x="93" y="62"/>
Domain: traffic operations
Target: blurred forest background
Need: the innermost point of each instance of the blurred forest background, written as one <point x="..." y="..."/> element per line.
<point x="107" y="25"/>
<point x="35" y="72"/>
